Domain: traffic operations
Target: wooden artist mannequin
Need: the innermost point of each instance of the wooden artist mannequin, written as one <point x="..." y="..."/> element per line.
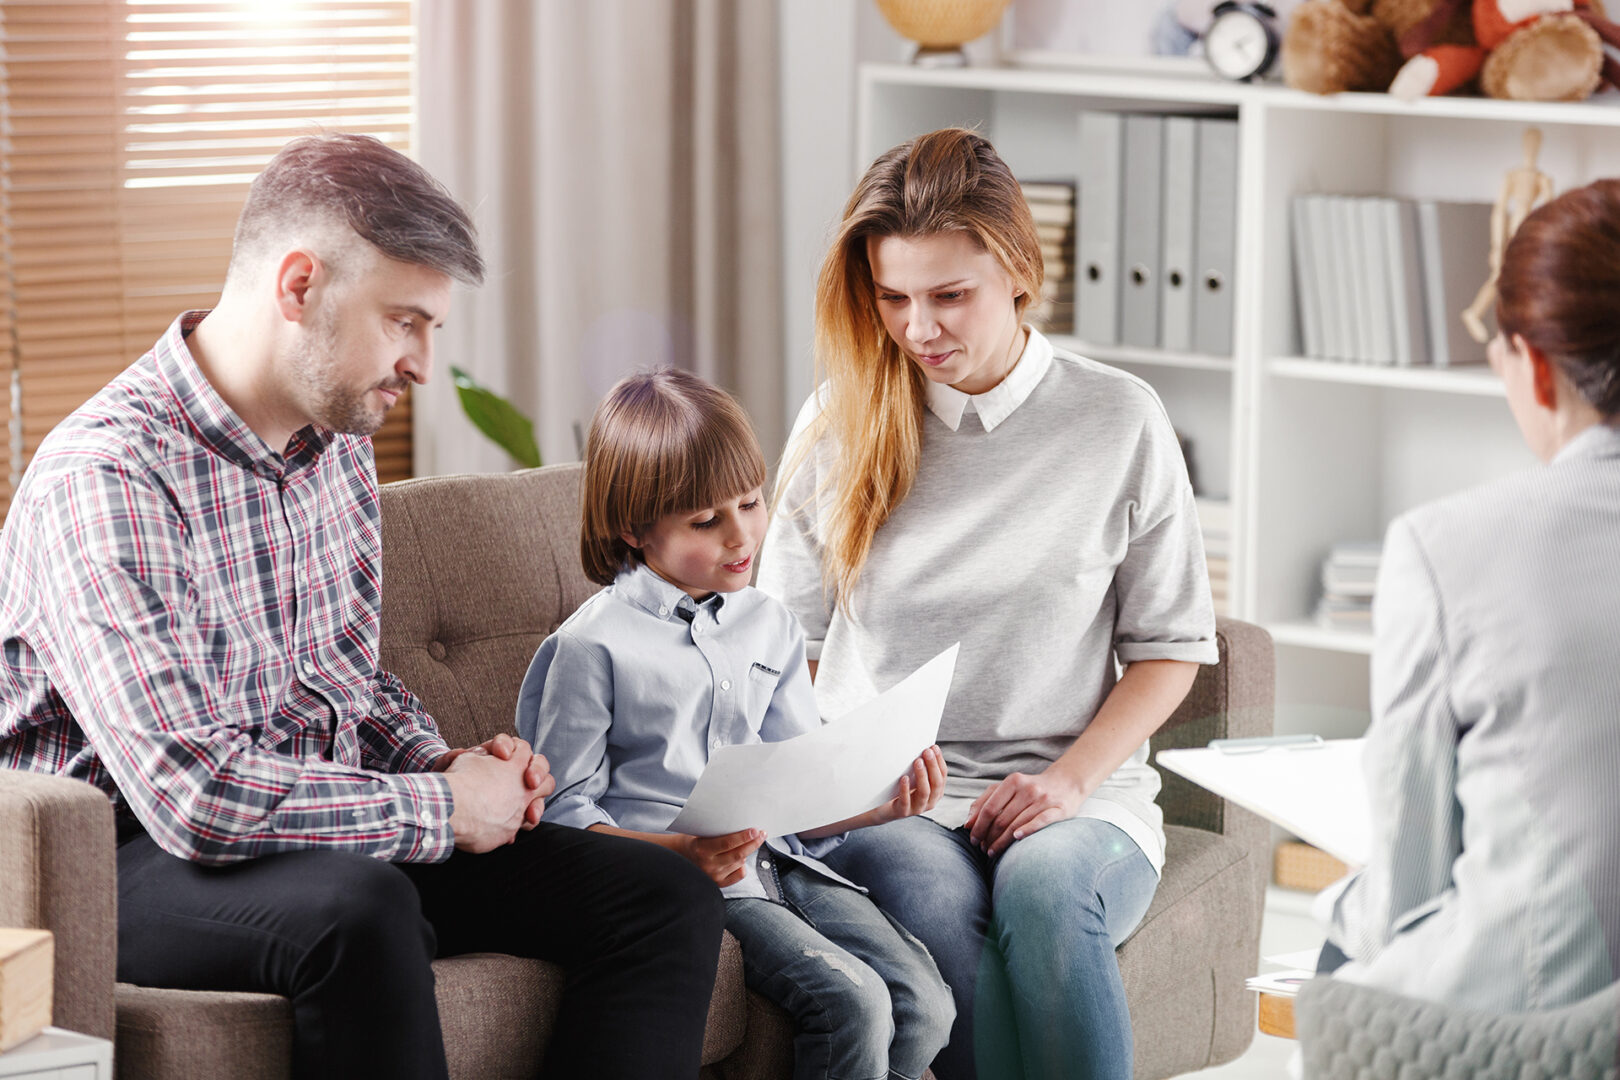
<point x="1523" y="189"/>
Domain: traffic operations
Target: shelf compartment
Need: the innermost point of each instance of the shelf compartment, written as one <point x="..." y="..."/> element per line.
<point x="1307" y="634"/>
<point x="1479" y="381"/>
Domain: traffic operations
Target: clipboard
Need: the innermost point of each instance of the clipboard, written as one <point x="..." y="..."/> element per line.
<point x="1313" y="788"/>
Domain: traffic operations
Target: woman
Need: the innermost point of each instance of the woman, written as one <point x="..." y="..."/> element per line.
<point x="957" y="478"/>
<point x="1495" y="740"/>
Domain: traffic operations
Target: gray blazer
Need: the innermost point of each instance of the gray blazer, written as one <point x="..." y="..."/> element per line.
<point x="1493" y="757"/>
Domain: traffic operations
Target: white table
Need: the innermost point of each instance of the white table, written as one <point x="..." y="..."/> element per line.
<point x="55" y="1054"/>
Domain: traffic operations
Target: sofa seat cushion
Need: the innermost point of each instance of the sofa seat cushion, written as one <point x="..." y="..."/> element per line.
<point x="497" y="1013"/>
<point x="1192" y="857"/>
<point x="193" y="1035"/>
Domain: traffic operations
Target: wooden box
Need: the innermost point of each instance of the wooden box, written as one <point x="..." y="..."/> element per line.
<point x="1277" y="1015"/>
<point x="26" y="960"/>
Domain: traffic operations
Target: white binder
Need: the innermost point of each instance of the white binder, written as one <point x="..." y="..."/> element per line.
<point x="1216" y="244"/>
<point x="1097" y="239"/>
<point x="1405" y="282"/>
<point x="1176" y="267"/>
<point x="1346" y="249"/>
<point x="1139" y="243"/>
<point x="1330" y="288"/>
<point x="1375" y="281"/>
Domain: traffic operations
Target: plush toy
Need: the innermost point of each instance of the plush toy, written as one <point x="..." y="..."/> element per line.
<point x="1336" y="45"/>
<point x="1530" y="50"/>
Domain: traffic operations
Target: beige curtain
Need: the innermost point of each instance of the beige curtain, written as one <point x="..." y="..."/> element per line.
<point x="621" y="159"/>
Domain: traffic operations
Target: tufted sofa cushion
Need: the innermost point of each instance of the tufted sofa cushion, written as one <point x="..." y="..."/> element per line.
<point x="1351" y="1032"/>
<point x="468" y="606"/>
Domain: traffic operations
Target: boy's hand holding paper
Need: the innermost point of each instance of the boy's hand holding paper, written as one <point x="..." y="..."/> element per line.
<point x="723" y="858"/>
<point x="844" y="768"/>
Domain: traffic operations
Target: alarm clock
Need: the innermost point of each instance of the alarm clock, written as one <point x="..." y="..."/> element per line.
<point x="1242" y="40"/>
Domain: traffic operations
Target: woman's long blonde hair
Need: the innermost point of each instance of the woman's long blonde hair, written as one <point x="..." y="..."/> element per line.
<point x="950" y="180"/>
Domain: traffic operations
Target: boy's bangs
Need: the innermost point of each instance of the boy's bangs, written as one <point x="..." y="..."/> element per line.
<point x="721" y="462"/>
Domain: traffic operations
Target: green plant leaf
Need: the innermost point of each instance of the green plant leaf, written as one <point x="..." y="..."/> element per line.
<point x="497" y="418"/>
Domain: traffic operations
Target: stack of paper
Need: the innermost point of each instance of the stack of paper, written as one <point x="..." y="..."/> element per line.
<point x="1284" y="983"/>
<point x="1349" y="574"/>
<point x="1298" y="968"/>
<point x="1215" y="517"/>
<point x="1051" y="204"/>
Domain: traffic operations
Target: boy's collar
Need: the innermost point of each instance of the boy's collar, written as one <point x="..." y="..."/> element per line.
<point x="646" y="589"/>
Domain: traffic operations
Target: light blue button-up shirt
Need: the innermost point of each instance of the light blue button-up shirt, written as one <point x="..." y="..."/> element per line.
<point x="628" y="699"/>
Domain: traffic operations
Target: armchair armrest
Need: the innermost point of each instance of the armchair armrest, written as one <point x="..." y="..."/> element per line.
<point x="58" y="872"/>
<point x="1233" y="699"/>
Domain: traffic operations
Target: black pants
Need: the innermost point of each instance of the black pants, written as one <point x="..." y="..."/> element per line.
<point x="350" y="940"/>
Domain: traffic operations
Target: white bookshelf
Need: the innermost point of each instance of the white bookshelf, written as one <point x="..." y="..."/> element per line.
<point x="1309" y="452"/>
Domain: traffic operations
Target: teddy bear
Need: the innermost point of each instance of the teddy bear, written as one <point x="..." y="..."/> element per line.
<point x="1530" y="50"/>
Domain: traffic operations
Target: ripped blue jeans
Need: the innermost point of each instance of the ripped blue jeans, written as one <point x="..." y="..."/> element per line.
<point x="867" y="1000"/>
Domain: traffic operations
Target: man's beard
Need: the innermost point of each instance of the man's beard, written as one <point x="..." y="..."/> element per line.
<point x="335" y="406"/>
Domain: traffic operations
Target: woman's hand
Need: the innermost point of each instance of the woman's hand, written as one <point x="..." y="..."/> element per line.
<point x="723" y="858"/>
<point x="1021" y="804"/>
<point x="920" y="789"/>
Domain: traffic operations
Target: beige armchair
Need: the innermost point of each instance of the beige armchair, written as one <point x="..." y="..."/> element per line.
<point x="477" y="571"/>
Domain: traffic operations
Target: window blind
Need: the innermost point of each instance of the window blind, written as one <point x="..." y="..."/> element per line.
<point x="132" y="129"/>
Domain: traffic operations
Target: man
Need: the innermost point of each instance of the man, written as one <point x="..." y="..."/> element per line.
<point x="189" y="621"/>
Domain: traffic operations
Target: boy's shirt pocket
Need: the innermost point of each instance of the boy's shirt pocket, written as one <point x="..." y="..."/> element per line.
<point x="761" y="688"/>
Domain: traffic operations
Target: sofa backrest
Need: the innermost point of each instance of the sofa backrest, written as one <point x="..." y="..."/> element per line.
<point x="477" y="571"/>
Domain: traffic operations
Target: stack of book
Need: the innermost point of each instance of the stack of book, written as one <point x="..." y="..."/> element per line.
<point x="1215" y="516"/>
<point x="1051" y="203"/>
<point x="1384" y="281"/>
<point x="1348" y="576"/>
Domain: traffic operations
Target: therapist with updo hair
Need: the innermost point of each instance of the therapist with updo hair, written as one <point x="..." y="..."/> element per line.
<point x="1494" y="747"/>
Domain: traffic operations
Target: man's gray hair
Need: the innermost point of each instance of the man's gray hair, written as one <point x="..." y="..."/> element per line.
<point x="383" y="196"/>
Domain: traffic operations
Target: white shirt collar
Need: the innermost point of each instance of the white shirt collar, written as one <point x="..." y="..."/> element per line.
<point x="997" y="403"/>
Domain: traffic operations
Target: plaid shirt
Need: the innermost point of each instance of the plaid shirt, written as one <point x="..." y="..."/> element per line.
<point x="189" y="622"/>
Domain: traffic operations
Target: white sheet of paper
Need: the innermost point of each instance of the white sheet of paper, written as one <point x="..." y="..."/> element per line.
<point x="843" y="768"/>
<point x="1319" y="795"/>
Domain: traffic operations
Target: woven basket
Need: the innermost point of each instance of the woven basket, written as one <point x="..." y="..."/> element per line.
<point x="1301" y="866"/>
